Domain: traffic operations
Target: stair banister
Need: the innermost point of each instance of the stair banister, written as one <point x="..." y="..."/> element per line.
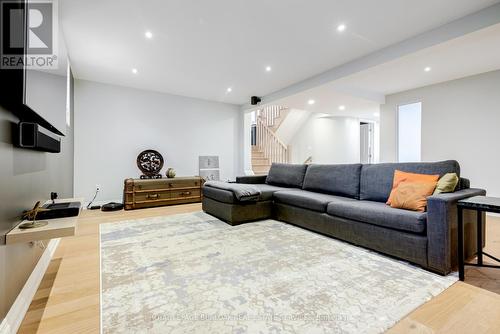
<point x="269" y="144"/>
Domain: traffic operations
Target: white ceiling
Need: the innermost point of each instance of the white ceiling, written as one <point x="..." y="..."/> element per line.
<point x="200" y="48"/>
<point x="328" y="99"/>
<point x="471" y="54"/>
<point x="360" y="93"/>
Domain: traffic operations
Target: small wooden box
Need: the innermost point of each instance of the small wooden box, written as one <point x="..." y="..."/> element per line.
<point x="139" y="193"/>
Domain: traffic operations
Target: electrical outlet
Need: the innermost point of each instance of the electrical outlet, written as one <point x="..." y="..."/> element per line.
<point x="97" y="187"/>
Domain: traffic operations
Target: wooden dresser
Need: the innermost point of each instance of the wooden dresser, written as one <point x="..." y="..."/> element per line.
<point x="138" y="193"/>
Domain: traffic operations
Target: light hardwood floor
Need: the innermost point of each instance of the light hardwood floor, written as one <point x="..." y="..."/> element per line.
<point x="67" y="300"/>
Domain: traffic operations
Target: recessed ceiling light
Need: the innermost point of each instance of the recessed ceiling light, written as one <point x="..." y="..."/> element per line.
<point x="134" y="70"/>
<point x="427" y="69"/>
<point x="342" y="107"/>
<point x="311" y="102"/>
<point x="229" y="90"/>
<point x="376" y="114"/>
<point x="148" y="34"/>
<point x="268" y="68"/>
<point x="341" y="27"/>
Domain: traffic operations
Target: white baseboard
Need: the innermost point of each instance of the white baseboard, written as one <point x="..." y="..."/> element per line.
<point x="15" y="316"/>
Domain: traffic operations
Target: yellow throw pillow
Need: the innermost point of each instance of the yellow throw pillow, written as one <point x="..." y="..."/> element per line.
<point x="447" y="183"/>
<point x="412" y="195"/>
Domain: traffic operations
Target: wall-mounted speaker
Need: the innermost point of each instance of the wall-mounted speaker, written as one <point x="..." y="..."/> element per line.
<point x="35" y="137"/>
<point x="254" y="100"/>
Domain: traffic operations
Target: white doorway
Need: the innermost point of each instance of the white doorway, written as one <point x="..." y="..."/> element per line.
<point x="367" y="143"/>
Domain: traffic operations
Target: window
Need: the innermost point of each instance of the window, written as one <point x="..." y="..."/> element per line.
<point x="410" y="132"/>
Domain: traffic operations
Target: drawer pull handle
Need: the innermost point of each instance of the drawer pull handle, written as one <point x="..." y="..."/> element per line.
<point x="185" y="193"/>
<point x="155" y="196"/>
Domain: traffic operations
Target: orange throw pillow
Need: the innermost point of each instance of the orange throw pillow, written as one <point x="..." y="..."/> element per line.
<point x="400" y="177"/>
<point x="412" y="195"/>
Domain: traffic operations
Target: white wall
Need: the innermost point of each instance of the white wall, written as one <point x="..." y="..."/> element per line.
<point x="376" y="140"/>
<point x="327" y="139"/>
<point x="27" y="176"/>
<point x="114" y="124"/>
<point x="460" y="120"/>
<point x="292" y="123"/>
<point x="248" y="119"/>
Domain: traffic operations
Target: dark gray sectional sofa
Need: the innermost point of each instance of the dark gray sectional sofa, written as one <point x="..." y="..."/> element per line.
<point x="348" y="203"/>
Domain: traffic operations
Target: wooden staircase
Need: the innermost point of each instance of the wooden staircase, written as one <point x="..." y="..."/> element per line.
<point x="273" y="116"/>
<point x="268" y="147"/>
<point x="260" y="164"/>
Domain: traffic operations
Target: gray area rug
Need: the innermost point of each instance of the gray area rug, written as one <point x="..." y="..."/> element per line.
<point x="192" y="273"/>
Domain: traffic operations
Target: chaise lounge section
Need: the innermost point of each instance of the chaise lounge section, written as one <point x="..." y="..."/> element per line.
<point x="348" y="202"/>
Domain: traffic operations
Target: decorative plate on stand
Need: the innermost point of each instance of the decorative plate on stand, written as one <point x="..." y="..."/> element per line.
<point x="150" y="162"/>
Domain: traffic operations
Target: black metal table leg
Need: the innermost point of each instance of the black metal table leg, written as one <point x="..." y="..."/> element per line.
<point x="461" y="268"/>
<point x="479" y="237"/>
<point x="480" y="204"/>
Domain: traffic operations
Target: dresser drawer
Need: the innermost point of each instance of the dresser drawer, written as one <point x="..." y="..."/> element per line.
<point x="150" y="185"/>
<point x="151" y="196"/>
<point x="175" y="194"/>
<point x="184" y="183"/>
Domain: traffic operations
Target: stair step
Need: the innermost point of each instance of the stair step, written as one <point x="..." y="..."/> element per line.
<point x="261" y="169"/>
<point x="260" y="160"/>
<point x="261" y="165"/>
<point x="264" y="163"/>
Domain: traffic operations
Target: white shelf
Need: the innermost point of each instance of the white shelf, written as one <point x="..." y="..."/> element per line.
<point x="56" y="228"/>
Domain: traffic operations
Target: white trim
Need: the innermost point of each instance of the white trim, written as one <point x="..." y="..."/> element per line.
<point x="15" y="316"/>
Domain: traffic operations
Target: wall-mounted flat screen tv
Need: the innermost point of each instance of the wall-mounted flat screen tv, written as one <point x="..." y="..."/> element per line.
<point x="46" y="70"/>
<point x="34" y="64"/>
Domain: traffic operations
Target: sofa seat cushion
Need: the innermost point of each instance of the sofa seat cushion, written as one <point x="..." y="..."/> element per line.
<point x="226" y="196"/>
<point x="308" y="199"/>
<point x="267" y="191"/>
<point x="380" y="214"/>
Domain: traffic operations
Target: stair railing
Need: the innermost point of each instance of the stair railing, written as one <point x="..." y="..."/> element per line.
<point x="269" y="144"/>
<point x="272" y="115"/>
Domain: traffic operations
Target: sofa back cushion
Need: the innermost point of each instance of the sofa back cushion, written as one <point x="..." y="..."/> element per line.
<point x="376" y="180"/>
<point x="286" y="175"/>
<point x="342" y="180"/>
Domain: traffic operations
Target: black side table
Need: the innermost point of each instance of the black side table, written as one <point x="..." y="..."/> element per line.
<point x="479" y="204"/>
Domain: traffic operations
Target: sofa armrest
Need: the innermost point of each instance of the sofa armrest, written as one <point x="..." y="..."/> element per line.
<point x="251" y="179"/>
<point x="442" y="229"/>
